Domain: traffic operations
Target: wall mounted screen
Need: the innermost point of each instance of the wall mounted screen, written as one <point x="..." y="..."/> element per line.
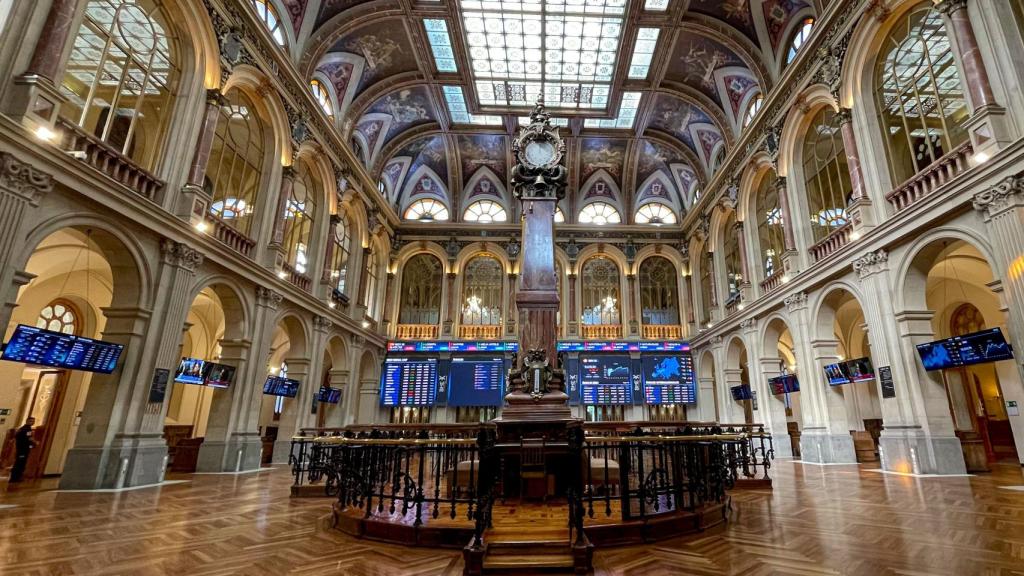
<point x="669" y="379"/>
<point x="409" y="382"/>
<point x="218" y="375"/>
<point x="476" y="381"/>
<point x="33" y="345"/>
<point x="278" y="386"/>
<point x="606" y="380"/>
<point x="973" y="348"/>
<point x="329" y="395"/>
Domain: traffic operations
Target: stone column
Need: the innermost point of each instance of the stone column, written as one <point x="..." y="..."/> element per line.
<point x="859" y="208"/>
<point x="120" y="441"/>
<point x="284" y="197"/>
<point x="732" y="411"/>
<point x="195" y="201"/>
<point x="307" y="396"/>
<point x="326" y="276"/>
<point x="707" y="404"/>
<point x="22" y="187"/>
<point x="771" y="410"/>
<point x="364" y="274"/>
<point x="389" y="297"/>
<point x="36" y="96"/>
<point x="223" y="449"/>
<point x="745" y="274"/>
<point x="250" y="404"/>
<point x="337" y="378"/>
<point x="986" y="125"/>
<point x="789" y="256"/>
<point x="918" y="435"/>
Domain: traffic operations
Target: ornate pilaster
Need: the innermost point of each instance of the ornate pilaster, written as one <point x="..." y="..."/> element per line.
<point x="871" y="263"/>
<point x="22" y="187"/>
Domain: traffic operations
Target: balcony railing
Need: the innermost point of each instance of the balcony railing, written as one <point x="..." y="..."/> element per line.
<point x="834" y="241"/>
<point x="602" y="331"/>
<point x="772" y="282"/>
<point x="417" y="332"/>
<point x="661" y="331"/>
<point x="932" y="177"/>
<point x="106" y="159"/>
<point x="232" y="238"/>
<point x="298" y="279"/>
<point x="480" y="331"/>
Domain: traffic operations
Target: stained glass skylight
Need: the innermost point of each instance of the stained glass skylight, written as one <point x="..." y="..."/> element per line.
<point x="440" y="44"/>
<point x="627" y="114"/>
<point x="656" y="5"/>
<point x="460" y="112"/>
<point x="643" y="51"/>
<point x="563" y="122"/>
<point x="563" y="49"/>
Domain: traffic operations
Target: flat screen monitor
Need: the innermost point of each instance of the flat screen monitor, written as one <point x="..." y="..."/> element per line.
<point x="218" y="375"/>
<point x="190" y="371"/>
<point x="668" y="379"/>
<point x="783" y="384"/>
<point x="606" y="379"/>
<point x="974" y="348"/>
<point x="329" y="395"/>
<point x="860" y="370"/>
<point x="836" y="374"/>
<point x="476" y="381"/>
<point x="407" y="381"/>
<point x="33" y="345"/>
<point x="741" y="392"/>
<point x="279" y="386"/>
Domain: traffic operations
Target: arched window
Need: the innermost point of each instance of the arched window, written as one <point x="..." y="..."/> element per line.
<point x="770" y="235"/>
<point x="655" y="213"/>
<point x="268" y="14"/>
<point x="322" y="96"/>
<point x="427" y="210"/>
<point x="298" y="219"/>
<point x="342" y="250"/>
<point x="483" y="280"/>
<point x="559" y="216"/>
<point x="422" y="279"/>
<point x="485" y="211"/>
<point x="919" y="94"/>
<point x="731" y="253"/>
<point x="600" y="290"/>
<point x="235" y="169"/>
<point x="803" y="32"/>
<point x="717" y="159"/>
<point x="121" y="77"/>
<point x="659" y="292"/>
<point x="707" y="286"/>
<point x="752" y="109"/>
<point x="58" y="316"/>
<point x="826" y="174"/>
<point x="599" y="213"/>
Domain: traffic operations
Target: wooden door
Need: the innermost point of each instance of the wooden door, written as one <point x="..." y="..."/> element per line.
<point x="47" y="400"/>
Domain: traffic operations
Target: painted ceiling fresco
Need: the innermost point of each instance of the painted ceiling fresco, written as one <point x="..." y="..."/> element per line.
<point x="718" y="55"/>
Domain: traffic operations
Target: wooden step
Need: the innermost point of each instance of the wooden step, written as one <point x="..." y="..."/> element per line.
<point x="518" y="547"/>
<point x="523" y="561"/>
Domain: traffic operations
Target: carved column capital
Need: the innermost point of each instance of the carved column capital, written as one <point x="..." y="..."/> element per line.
<point x="796" y="301"/>
<point x="949" y="7"/>
<point x="1005" y="195"/>
<point x="871" y="263"/>
<point x="748" y="324"/>
<point x="180" y="255"/>
<point x="268" y="298"/>
<point x="322" y="324"/>
<point x="844" y="116"/>
<point x="23" y="179"/>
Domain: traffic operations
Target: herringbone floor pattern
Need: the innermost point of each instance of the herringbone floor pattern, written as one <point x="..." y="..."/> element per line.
<point x="817" y="521"/>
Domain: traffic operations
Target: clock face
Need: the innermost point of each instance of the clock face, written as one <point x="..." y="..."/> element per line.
<point x="540" y="152"/>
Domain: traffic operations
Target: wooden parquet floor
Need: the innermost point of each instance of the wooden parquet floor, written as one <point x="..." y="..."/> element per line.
<point x="835" y="520"/>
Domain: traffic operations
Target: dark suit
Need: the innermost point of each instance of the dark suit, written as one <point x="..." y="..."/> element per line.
<point x="23" y="444"/>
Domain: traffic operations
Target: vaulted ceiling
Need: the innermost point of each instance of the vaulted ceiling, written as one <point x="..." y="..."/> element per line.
<point x="407" y="79"/>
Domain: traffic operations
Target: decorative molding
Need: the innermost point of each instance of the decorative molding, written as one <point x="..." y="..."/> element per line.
<point x="717" y="340"/>
<point x="180" y="255"/>
<point x="513" y="248"/>
<point x="322" y="324"/>
<point x="23" y="179"/>
<point x="747" y="324"/>
<point x="871" y="263"/>
<point x="1007" y="194"/>
<point x="796" y="301"/>
<point x="268" y="298"/>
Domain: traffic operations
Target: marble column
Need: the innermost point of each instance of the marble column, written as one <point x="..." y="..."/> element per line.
<point x="280" y="215"/>
<point x="120" y="441"/>
<point x="745" y="275"/>
<point x="195" y="201"/>
<point x="327" y="275"/>
<point x="364" y="274"/>
<point x="22" y="187"/>
<point x="49" y="51"/>
<point x="36" y="96"/>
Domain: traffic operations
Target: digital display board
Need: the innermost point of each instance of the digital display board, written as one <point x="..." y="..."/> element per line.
<point x="783" y="384"/>
<point x="860" y="370"/>
<point x="606" y="380"/>
<point x="190" y="371"/>
<point x="278" y="386"/>
<point x="741" y="392"/>
<point x="218" y="375"/>
<point x="668" y="379"/>
<point x="409" y="382"/>
<point x="329" y="395"/>
<point x="33" y="345"/>
<point x="476" y="381"/>
<point x="620" y="346"/>
<point x="974" y="348"/>
<point x="438" y="346"/>
<point x="836" y="374"/>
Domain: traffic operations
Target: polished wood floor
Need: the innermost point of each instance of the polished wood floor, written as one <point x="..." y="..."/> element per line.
<point x="834" y="520"/>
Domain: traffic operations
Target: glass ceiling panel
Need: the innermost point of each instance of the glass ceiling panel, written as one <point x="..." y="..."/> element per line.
<point x="563" y="49"/>
<point x="627" y="114"/>
<point x="440" y="44"/>
<point x="656" y="5"/>
<point x="643" y="51"/>
<point x="459" y="112"/>
<point x="564" y="122"/>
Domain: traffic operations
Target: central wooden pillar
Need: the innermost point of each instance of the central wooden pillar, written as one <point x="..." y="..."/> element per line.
<point x="537" y="297"/>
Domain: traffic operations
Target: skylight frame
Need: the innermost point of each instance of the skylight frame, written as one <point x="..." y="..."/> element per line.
<point x="629" y="106"/>
<point x="458" y="110"/>
<point x="643" y="53"/>
<point x="441" y="45"/>
<point x="565" y="50"/>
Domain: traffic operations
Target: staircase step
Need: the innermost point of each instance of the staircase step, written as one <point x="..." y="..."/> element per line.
<point x="515" y="544"/>
<point x="524" y="561"/>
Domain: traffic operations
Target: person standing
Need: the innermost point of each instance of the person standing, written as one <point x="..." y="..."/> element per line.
<point x="23" y="444"/>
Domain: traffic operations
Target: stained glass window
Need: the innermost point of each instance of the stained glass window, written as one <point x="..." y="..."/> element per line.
<point x="599" y="213"/>
<point x="440" y="45"/>
<point x="643" y="52"/>
<point x="485" y="211"/>
<point x="427" y="210"/>
<point x="58" y="316"/>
